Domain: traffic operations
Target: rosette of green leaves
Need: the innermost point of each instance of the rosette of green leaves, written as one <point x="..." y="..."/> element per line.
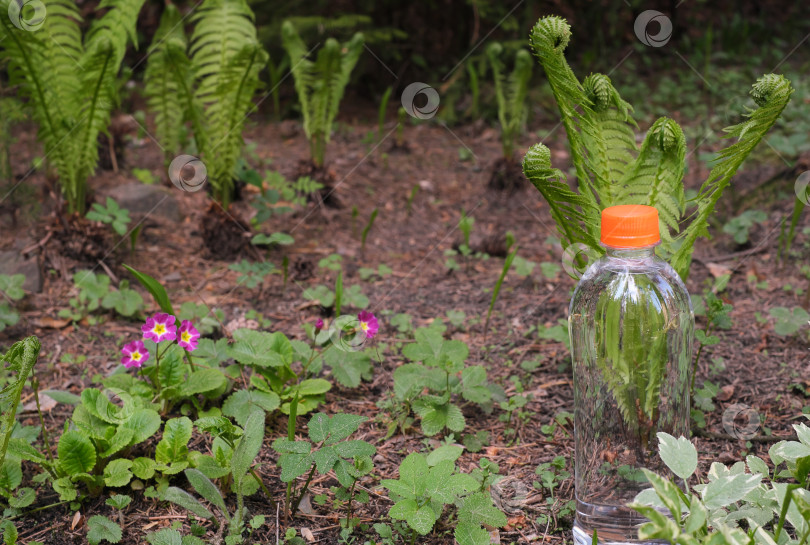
<point x="439" y="367"/>
<point x="101" y="436"/>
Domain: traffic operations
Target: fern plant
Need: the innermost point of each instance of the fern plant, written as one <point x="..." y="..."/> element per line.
<point x="610" y="169"/>
<point x="71" y="82"/>
<point x="510" y="94"/>
<point x="209" y="81"/>
<point x="320" y="84"/>
<point x="21" y="358"/>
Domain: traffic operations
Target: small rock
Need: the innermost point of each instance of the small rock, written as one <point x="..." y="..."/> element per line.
<point x="141" y="199"/>
<point x="12" y="262"/>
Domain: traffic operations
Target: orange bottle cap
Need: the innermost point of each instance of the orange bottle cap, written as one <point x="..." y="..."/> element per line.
<point x="630" y="226"/>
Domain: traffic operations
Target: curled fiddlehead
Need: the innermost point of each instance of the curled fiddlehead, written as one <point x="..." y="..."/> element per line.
<point x="21" y="358"/>
<point x="771" y="93"/>
<point x="655" y="178"/>
<point x="612" y="144"/>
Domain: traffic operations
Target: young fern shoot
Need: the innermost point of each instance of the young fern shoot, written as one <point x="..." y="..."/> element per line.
<point x="609" y="168"/>
<point x="510" y="94"/>
<point x="71" y="83"/>
<point x="211" y="80"/>
<point x="320" y="84"/>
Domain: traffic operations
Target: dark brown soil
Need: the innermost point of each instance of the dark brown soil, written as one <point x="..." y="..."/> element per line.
<point x="507" y="176"/>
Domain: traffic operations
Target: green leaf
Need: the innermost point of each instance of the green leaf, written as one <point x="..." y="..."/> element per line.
<point x="261" y="348"/>
<point x="444" y="453"/>
<point x="65" y="488"/>
<point x="323" y="295"/>
<point x="423" y="519"/>
<point x="63" y="397"/>
<point x="436" y="417"/>
<point x="354" y="449"/>
<point x="282" y="445"/>
<point x="294" y="465"/>
<point x="201" y="381"/>
<point x="167" y="536"/>
<point x="187" y="501"/>
<point x="100" y="529"/>
<point x="24" y="498"/>
<point x="118" y="501"/>
<point x="76" y="453"/>
<point x="468" y="533"/>
<point x="117" y="473"/>
<point x="313" y="387"/>
<point x="348" y="368"/>
<point x="242" y="403"/>
<point x="144" y="423"/>
<point x="11" y="285"/>
<point x="206" y="489"/>
<point x="275" y="238"/>
<point x="342" y="426"/>
<point x="173" y="447"/>
<point x="325" y="458"/>
<point x="729" y="489"/>
<point x="248" y="447"/>
<point x="153" y="287"/>
<point x="680" y="455"/>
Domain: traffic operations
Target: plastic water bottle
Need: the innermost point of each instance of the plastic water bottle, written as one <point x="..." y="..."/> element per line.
<point x="631" y="325"/>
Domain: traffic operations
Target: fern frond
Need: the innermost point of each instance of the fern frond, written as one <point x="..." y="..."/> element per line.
<point x="655" y="178"/>
<point x="168" y="81"/>
<point x="510" y="94"/>
<point x="320" y="84"/>
<point x="117" y="25"/>
<point x="303" y="71"/>
<point x="44" y="64"/>
<point x="99" y="87"/>
<point x="223" y="29"/>
<point x="227" y="116"/>
<point x="226" y="58"/>
<point x="771" y="93"/>
<point x="21" y="357"/>
<point x="612" y="145"/>
<point x="548" y="40"/>
<point x="573" y="214"/>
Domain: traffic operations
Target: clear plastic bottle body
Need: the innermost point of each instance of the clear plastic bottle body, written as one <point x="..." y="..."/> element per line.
<point x="631" y="326"/>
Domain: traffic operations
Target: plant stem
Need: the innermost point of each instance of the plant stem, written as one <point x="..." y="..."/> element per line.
<point x="20" y="515"/>
<point x="697" y="358"/>
<point x="261" y="484"/>
<point x="45" y="439"/>
<point x="351" y="501"/>
<point x="303" y="491"/>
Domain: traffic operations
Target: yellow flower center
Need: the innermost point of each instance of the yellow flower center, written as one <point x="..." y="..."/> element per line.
<point x="160" y="329"/>
<point x="136" y="356"/>
<point x="185" y="336"/>
<point x="364" y="326"/>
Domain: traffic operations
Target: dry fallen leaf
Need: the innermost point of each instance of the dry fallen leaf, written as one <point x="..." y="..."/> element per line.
<point x="717" y="269"/>
<point x="78" y="519"/>
<point x="50" y="322"/>
<point x="307" y="533"/>
<point x="725" y="393"/>
<point x="46" y="403"/>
